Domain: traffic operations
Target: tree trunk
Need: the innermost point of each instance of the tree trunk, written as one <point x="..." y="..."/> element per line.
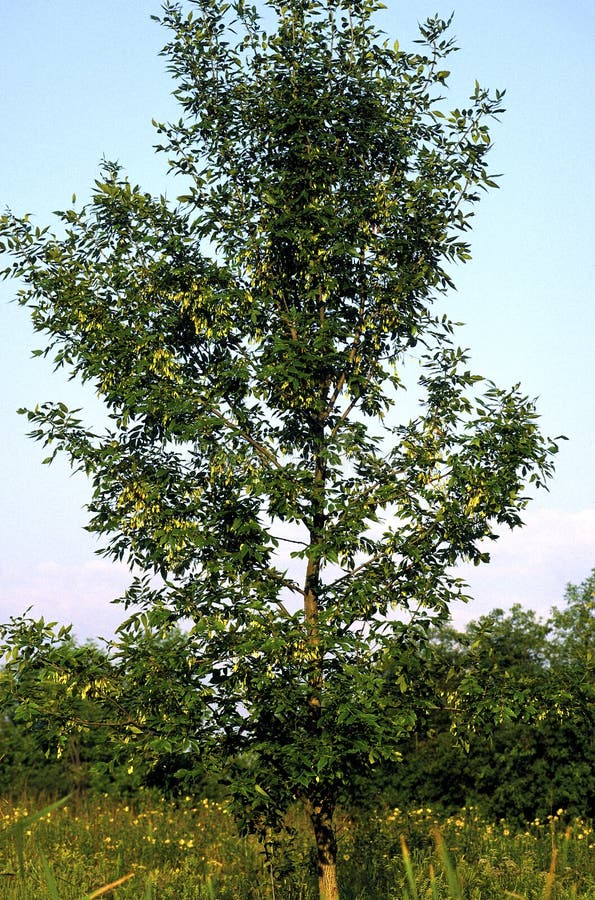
<point x="321" y="815"/>
<point x="319" y="810"/>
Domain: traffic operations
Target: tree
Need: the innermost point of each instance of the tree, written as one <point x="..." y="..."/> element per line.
<point x="66" y="709"/>
<point x="519" y="692"/>
<point x="251" y="348"/>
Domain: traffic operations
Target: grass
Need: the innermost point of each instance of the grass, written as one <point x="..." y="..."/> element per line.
<point x="80" y="849"/>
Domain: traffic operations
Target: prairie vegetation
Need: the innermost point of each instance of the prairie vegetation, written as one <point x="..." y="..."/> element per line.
<point x="190" y="849"/>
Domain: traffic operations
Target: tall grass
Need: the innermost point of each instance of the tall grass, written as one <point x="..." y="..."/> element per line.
<point x="81" y="849"/>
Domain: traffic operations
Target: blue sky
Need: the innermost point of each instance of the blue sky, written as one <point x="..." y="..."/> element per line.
<point x="79" y="81"/>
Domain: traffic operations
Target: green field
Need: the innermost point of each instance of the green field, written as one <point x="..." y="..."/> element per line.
<point x="190" y="849"/>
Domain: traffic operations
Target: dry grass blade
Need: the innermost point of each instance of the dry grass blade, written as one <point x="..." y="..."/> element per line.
<point x="109" y="887"/>
<point x="551" y="875"/>
<point x="409" y="869"/>
<point x="433" y="884"/>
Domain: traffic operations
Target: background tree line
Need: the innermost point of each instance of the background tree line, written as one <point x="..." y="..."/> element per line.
<point x="509" y="724"/>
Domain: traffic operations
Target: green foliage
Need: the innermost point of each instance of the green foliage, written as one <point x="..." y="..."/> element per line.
<point x="524" y="765"/>
<point x="65" y="707"/>
<point x="47" y="742"/>
<point x="251" y="346"/>
<point x="533" y="753"/>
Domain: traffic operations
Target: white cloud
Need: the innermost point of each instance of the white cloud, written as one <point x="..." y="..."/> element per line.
<point x="532" y="565"/>
<point x="80" y="594"/>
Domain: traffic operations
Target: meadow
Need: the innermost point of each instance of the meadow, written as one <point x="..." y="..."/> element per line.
<point x="90" y="847"/>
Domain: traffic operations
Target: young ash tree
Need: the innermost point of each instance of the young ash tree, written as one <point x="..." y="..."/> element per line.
<point x="251" y="346"/>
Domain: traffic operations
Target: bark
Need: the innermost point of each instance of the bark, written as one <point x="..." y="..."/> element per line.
<point x="321" y="815"/>
<point x="320" y="811"/>
<point x="312" y="583"/>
